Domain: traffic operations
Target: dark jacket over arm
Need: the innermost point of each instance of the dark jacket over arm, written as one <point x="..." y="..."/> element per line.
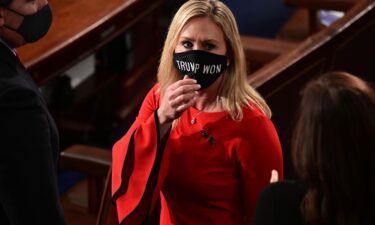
<point x="28" y="151"/>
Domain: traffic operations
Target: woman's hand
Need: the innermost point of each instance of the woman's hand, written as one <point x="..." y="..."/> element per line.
<point x="177" y="98"/>
<point x="274" y="176"/>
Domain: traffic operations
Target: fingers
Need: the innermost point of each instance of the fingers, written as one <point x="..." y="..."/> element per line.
<point x="178" y="97"/>
<point x="181" y="99"/>
<point x="186" y="89"/>
<point x="184" y="106"/>
<point x="185" y="81"/>
<point x="274" y="176"/>
<point x="182" y="87"/>
<point x="186" y="94"/>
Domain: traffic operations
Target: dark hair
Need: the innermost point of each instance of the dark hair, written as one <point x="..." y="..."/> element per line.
<point x="5" y="2"/>
<point x="334" y="150"/>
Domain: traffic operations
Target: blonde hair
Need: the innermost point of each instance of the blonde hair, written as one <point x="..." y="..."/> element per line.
<point x="234" y="91"/>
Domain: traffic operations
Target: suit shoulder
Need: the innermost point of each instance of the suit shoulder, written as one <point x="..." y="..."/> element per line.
<point x="279" y="203"/>
<point x="285" y="191"/>
<point x="11" y="77"/>
<point x="17" y="96"/>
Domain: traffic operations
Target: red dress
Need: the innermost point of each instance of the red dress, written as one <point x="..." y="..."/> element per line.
<point x="212" y="177"/>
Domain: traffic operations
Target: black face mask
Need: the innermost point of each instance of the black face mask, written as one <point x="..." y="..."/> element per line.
<point x="205" y="67"/>
<point x="35" y="26"/>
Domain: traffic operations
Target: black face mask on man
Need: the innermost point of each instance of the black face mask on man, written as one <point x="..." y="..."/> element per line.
<point x="35" y="26"/>
<point x="205" y="67"/>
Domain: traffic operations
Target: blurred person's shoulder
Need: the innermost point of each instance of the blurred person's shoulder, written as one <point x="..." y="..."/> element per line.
<point x="287" y="188"/>
<point x="280" y="203"/>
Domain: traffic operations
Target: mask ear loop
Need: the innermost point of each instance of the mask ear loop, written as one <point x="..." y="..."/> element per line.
<point x="13" y="11"/>
<point x="10" y="28"/>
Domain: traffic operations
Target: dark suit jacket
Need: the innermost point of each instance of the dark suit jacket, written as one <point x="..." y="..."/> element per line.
<point x="280" y="203"/>
<point x="28" y="149"/>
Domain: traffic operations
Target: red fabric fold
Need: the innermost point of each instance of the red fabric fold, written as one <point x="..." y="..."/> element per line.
<point x="134" y="157"/>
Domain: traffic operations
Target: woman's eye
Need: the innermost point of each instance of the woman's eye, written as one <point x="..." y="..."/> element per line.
<point x="210" y="46"/>
<point x="187" y="44"/>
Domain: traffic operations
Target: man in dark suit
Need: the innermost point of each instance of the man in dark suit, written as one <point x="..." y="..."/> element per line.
<point x="28" y="134"/>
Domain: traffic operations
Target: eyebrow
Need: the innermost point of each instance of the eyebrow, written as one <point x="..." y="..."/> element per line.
<point x="206" y="40"/>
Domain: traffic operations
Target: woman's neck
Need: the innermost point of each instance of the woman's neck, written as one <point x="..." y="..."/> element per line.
<point x="207" y="99"/>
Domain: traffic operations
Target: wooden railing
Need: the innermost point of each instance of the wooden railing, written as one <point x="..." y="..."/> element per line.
<point x="80" y="28"/>
<point x="346" y="45"/>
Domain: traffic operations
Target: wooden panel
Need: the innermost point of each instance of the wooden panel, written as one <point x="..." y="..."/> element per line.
<point x="261" y="50"/>
<point x="321" y="44"/>
<point x="340" y="5"/>
<point x="345" y="45"/>
<point x="296" y="29"/>
<point x="93" y="162"/>
<point x="355" y="54"/>
<point x="79" y="28"/>
<point x="107" y="213"/>
<point x="87" y="159"/>
<point x="134" y="90"/>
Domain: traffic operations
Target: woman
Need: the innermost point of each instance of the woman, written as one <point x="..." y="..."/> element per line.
<point x="202" y="141"/>
<point x="334" y="153"/>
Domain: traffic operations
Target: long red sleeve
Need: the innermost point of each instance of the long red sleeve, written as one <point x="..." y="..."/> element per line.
<point x="135" y="165"/>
